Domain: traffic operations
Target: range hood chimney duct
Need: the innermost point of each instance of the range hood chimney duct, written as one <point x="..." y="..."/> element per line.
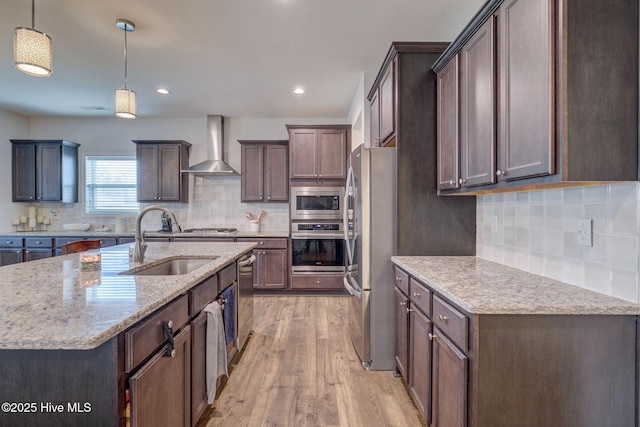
<point x="214" y="165"/>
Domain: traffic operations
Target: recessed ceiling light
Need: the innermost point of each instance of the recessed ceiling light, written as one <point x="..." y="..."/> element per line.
<point x="163" y="91"/>
<point x="298" y="91"/>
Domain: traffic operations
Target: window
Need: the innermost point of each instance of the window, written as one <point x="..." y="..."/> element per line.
<point x="110" y="184"/>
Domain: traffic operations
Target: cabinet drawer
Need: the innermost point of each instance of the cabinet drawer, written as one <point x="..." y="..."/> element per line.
<point x="226" y="276"/>
<point x="202" y="294"/>
<point x="148" y="335"/>
<point x="107" y="241"/>
<point x="453" y="323"/>
<point x="267" y="243"/>
<point x="402" y="280"/>
<point x="320" y="282"/>
<point x="420" y="296"/>
<point x="10" y="242"/>
<point x="38" y="242"/>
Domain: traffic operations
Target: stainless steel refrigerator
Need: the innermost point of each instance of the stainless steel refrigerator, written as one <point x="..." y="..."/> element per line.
<point x="370" y="224"/>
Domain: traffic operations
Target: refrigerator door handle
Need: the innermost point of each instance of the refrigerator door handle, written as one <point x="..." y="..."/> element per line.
<point x="353" y="291"/>
<point x="345" y="215"/>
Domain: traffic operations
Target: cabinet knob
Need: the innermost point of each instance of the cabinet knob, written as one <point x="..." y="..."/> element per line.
<point x="318" y="282"/>
<point x="402" y="303"/>
<point x="432" y="336"/>
<point x="269" y="198"/>
<point x="409" y="310"/>
<point x="398" y="279"/>
<point x="9" y="242"/>
<point x="452" y="182"/>
<point x="170" y="324"/>
<point x="172" y="353"/>
<point x="416" y="294"/>
<point x="30" y="197"/>
<point x="500" y="172"/>
<point x="462" y="181"/>
<point x="443" y="318"/>
<point x="262" y="243"/>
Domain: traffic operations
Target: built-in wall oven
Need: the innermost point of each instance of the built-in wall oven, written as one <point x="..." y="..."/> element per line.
<point x="317" y="248"/>
<point x="316" y="203"/>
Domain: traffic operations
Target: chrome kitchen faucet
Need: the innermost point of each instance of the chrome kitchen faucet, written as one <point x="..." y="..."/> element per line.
<point x="141" y="245"/>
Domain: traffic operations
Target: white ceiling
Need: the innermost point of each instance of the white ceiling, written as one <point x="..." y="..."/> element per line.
<point x="238" y="58"/>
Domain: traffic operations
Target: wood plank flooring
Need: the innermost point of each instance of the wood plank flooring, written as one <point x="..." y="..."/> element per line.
<point x="300" y="369"/>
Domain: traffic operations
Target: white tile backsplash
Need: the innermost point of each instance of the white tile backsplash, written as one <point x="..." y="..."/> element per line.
<point x="537" y="233"/>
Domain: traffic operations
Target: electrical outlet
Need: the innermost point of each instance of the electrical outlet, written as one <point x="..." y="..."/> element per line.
<point x="584" y="232"/>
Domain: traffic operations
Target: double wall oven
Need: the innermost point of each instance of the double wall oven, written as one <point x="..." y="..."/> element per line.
<point x="317" y="237"/>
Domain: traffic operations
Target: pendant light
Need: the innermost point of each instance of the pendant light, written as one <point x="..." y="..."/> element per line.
<point x="125" y="98"/>
<point x="32" y="52"/>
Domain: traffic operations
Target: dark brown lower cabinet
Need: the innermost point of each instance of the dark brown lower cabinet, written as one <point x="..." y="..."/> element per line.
<point x="402" y="333"/>
<point x="198" y="367"/>
<point x="161" y="389"/>
<point x="420" y="362"/>
<point x="449" y="389"/>
<point x="10" y="256"/>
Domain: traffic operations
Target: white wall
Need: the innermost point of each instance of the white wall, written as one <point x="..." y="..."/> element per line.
<point x="12" y="126"/>
<point x="537" y="233"/>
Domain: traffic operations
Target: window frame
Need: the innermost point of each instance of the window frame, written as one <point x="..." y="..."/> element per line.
<point x="89" y="210"/>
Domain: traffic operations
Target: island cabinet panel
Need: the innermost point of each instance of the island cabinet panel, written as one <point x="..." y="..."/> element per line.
<point x="161" y="388"/>
<point x="90" y="396"/>
<point x="532" y="114"/>
<point x="199" y="393"/>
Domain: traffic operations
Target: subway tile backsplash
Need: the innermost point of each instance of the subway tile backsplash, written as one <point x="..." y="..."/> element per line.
<point x="214" y="202"/>
<point x="537" y="232"/>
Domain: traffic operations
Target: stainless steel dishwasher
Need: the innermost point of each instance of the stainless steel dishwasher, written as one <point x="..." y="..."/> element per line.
<point x="244" y="302"/>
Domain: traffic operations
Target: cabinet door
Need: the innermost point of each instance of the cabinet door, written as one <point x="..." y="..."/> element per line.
<point x="24" y="176"/>
<point x="375" y="119"/>
<point x="170" y="173"/>
<point x="147" y="161"/>
<point x="402" y="333"/>
<point x="526" y="143"/>
<point x="198" y="367"/>
<point x="303" y="153"/>
<point x="35" y="254"/>
<point x="420" y="362"/>
<point x="252" y="188"/>
<point x="160" y="390"/>
<point x="49" y="173"/>
<point x="271" y="269"/>
<point x="478" y="108"/>
<point x="448" y="127"/>
<point x="10" y="256"/>
<point x="277" y="173"/>
<point x="332" y="153"/>
<point x="449" y="389"/>
<point x="387" y="103"/>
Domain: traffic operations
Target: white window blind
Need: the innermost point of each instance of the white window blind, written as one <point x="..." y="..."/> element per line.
<point x="110" y="184"/>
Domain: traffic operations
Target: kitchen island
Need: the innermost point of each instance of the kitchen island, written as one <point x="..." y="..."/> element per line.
<point x="72" y="340"/>
<point x="481" y="344"/>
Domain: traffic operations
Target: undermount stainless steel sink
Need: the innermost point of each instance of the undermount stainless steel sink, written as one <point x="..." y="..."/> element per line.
<point x="171" y="267"/>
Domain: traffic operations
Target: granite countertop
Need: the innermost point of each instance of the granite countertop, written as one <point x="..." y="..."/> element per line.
<point x="484" y="287"/>
<point x="93" y="233"/>
<point x="52" y="304"/>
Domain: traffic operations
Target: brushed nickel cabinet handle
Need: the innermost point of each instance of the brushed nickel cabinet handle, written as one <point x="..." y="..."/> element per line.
<point x="443" y="318"/>
<point x="416" y="294"/>
<point x="432" y="336"/>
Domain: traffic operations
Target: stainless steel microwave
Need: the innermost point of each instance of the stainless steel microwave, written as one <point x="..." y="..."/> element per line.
<point x="316" y="203"/>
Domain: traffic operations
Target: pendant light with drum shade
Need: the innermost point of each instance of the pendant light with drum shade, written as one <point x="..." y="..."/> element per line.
<point x="32" y="53"/>
<point x="125" y="100"/>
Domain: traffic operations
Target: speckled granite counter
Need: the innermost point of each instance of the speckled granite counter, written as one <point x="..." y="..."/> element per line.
<point x="484" y="287"/>
<point x="51" y="304"/>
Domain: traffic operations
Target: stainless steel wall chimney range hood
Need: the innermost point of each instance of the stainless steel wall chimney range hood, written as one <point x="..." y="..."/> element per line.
<point x="214" y="165"/>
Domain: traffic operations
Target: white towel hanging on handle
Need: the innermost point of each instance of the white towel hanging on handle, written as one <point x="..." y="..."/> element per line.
<point x="215" y="349"/>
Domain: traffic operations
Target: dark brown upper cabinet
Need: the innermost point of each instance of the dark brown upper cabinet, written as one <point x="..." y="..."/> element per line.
<point x="44" y="171"/>
<point x="160" y="164"/>
<point x="318" y="152"/>
<point x="548" y="96"/>
<point x="448" y="126"/>
<point x="265" y="171"/>
<point x="383" y="111"/>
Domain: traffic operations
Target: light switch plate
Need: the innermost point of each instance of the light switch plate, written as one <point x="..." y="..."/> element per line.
<point x="585" y="233"/>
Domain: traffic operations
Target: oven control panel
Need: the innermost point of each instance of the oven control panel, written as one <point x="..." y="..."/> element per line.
<point x="317" y="227"/>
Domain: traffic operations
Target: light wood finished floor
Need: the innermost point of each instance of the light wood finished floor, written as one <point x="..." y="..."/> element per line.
<point x="300" y="369"/>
